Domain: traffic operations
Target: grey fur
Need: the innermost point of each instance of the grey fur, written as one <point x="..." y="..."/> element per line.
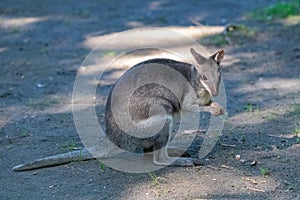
<point x="155" y="94"/>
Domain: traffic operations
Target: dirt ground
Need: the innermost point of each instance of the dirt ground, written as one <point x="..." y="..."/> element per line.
<point x="43" y="44"/>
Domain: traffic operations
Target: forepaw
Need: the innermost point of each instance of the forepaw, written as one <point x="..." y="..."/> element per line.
<point x="216" y="109"/>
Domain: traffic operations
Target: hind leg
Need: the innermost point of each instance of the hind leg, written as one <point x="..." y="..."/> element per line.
<point x="174" y="151"/>
<point x="160" y="154"/>
<point x="161" y="157"/>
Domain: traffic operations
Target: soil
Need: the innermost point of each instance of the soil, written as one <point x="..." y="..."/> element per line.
<point x="43" y="44"/>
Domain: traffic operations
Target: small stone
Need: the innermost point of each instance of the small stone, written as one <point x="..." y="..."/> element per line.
<point x="185" y="132"/>
<point x="39" y="85"/>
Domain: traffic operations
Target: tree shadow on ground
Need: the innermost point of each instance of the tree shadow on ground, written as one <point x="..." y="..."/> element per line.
<point x="48" y="50"/>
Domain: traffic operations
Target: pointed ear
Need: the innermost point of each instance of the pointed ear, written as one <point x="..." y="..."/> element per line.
<point x="198" y="57"/>
<point x="218" y="57"/>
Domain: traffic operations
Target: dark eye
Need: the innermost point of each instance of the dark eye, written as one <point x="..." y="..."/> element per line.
<point x="204" y="78"/>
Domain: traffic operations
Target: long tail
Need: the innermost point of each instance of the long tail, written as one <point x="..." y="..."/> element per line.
<point x="78" y="155"/>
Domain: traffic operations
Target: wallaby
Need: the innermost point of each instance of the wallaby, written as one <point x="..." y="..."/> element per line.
<point x="203" y="77"/>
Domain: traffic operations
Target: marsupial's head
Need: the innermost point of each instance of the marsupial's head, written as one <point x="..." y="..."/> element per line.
<point x="209" y="70"/>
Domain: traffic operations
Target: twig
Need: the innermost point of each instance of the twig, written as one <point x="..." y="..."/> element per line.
<point x="16" y="137"/>
<point x="263" y="181"/>
<point x="227" y="167"/>
<point x="214" y="168"/>
<point x="255" y="189"/>
<point x="196" y="22"/>
<point x="186" y="132"/>
<point x="251" y="180"/>
<point x="228" y="145"/>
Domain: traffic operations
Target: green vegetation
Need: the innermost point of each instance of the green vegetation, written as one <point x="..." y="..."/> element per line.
<point x="277" y="11"/>
<point x="219" y="40"/>
<point x="242" y="138"/>
<point x="231" y="155"/>
<point x="234" y="34"/>
<point x="108" y="53"/>
<point x="250" y="107"/>
<point x="79" y="158"/>
<point x="272" y="116"/>
<point x="71" y="146"/>
<point x="155" y="179"/>
<point x="102" y="166"/>
<point x="264" y="171"/>
<point x="297" y="132"/>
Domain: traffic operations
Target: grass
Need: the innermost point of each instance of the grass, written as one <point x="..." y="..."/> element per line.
<point x="155" y="179"/>
<point x="159" y="185"/>
<point x="279" y="10"/>
<point x="109" y="53"/>
<point x="79" y="159"/>
<point x="102" y="166"/>
<point x="242" y="138"/>
<point x="71" y="145"/>
<point x="264" y="171"/>
<point x="297" y="132"/>
<point x="231" y="155"/>
<point x="272" y="116"/>
<point x="250" y="107"/>
<point x="220" y="40"/>
<point x="234" y="34"/>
